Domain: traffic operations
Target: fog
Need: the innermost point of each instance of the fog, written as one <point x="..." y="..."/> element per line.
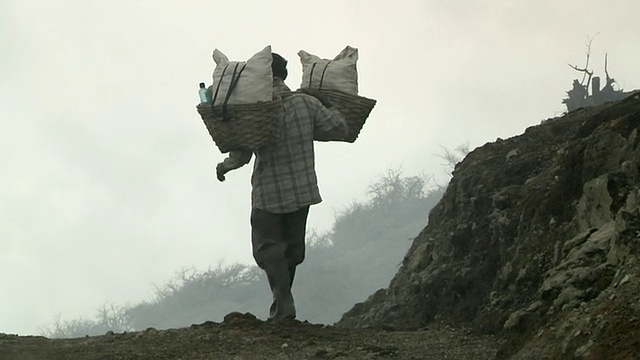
<point x="108" y="186"/>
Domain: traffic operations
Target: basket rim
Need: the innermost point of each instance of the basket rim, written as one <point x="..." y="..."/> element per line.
<point x="259" y="104"/>
<point x="344" y="94"/>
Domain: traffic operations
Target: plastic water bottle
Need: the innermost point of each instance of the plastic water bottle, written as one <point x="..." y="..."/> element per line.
<point x="202" y="92"/>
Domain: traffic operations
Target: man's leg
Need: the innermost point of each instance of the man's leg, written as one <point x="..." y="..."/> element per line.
<point x="269" y="247"/>
<point x="295" y="227"/>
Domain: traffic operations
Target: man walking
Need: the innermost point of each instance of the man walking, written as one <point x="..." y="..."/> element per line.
<point x="284" y="185"/>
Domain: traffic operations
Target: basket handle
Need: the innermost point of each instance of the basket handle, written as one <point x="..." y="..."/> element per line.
<point x="215" y="96"/>
<point x="322" y="76"/>
<point x="232" y="85"/>
<point x="313" y="67"/>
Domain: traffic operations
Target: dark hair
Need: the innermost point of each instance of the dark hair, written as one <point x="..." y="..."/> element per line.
<point x="279" y="66"/>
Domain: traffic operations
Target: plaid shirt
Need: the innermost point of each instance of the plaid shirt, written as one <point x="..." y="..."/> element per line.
<point x="284" y="176"/>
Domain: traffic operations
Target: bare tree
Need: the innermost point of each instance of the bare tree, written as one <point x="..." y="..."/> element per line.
<point x="610" y="80"/>
<point x="586" y="70"/>
<point x="453" y="157"/>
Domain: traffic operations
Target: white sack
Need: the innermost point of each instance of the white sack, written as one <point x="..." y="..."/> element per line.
<point x="339" y="74"/>
<point x="255" y="84"/>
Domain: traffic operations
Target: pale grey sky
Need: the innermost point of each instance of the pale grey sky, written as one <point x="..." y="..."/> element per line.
<point x="107" y="182"/>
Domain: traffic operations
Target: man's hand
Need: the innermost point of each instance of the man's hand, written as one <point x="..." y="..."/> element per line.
<point x="220" y="171"/>
<point x="236" y="159"/>
<point x="316" y="94"/>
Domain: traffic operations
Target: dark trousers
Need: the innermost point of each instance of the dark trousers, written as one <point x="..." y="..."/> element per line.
<point x="278" y="238"/>
<point x="278" y="247"/>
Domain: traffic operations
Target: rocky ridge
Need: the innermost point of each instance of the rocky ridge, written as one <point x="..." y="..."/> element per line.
<point x="537" y="239"/>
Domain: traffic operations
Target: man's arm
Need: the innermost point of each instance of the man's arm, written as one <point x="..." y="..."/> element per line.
<point x="236" y="159"/>
<point x="330" y="125"/>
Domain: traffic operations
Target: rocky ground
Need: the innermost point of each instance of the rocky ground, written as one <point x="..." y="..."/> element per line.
<point x="243" y="337"/>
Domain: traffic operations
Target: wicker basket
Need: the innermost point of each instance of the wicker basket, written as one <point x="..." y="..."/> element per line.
<point x="242" y="127"/>
<point x="355" y="109"/>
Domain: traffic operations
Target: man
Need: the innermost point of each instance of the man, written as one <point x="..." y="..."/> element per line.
<point x="284" y="185"/>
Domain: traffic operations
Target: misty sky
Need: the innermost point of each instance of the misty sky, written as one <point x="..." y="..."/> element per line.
<point x="107" y="181"/>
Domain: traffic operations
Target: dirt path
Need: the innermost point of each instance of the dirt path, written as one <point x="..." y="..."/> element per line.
<point x="242" y="337"/>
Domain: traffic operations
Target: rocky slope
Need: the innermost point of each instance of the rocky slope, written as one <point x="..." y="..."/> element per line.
<point x="537" y="240"/>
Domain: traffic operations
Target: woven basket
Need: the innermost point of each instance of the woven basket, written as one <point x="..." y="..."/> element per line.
<point x="355" y="109"/>
<point x="242" y="127"/>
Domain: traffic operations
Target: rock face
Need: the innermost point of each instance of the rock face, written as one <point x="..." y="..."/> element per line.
<point x="537" y="238"/>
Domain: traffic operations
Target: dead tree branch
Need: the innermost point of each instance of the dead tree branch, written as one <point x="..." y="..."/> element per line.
<point x="610" y="80"/>
<point x="585" y="70"/>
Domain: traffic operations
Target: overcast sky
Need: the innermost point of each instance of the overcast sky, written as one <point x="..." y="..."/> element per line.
<point x="107" y="179"/>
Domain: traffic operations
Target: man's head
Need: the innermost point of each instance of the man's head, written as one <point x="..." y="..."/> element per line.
<point x="279" y="66"/>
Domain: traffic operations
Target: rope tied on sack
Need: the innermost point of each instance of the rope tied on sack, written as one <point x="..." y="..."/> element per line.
<point x="232" y="85"/>
<point x="313" y="67"/>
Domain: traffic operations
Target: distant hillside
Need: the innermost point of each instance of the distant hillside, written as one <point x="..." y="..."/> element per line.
<point x="358" y="256"/>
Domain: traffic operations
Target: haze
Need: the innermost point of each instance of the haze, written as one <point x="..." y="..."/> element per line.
<point x="108" y="181"/>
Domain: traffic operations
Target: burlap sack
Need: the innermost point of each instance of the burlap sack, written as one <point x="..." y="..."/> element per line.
<point x="242" y="82"/>
<point x="339" y="74"/>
